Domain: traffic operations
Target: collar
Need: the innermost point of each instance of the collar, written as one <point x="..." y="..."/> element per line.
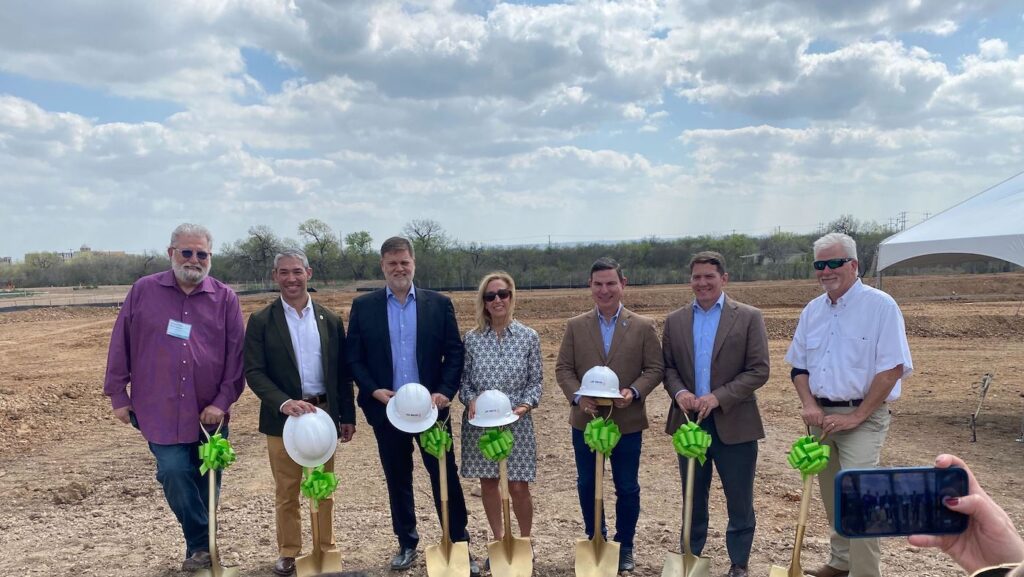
<point x="168" y="279"/>
<point x="308" y="307"/>
<point x="391" y="294"/>
<point x="848" y="296"/>
<point x="615" y="317"/>
<point x="720" y="303"/>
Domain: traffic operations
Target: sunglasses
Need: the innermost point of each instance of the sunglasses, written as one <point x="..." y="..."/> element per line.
<point x="189" y="253"/>
<point x="832" y="263"/>
<point x="502" y="294"/>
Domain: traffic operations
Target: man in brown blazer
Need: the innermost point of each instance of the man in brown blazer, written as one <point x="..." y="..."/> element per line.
<point x="613" y="336"/>
<point x="716" y="356"/>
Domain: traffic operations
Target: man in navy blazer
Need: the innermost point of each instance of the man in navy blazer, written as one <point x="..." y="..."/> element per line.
<point x="397" y="335"/>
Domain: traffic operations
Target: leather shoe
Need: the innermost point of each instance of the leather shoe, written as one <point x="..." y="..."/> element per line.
<point x="828" y="571"/>
<point x="737" y="571"/>
<point x="626" y="560"/>
<point x="200" y="559"/>
<point x="474" y="567"/>
<point x="285" y="566"/>
<point x="403" y="559"/>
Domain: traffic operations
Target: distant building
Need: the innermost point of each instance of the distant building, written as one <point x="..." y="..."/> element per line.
<point x="5" y="260"/>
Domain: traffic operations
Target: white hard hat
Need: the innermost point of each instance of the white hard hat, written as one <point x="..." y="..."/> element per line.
<point x="411" y="409"/>
<point x="600" y="381"/>
<point x="493" y="409"/>
<point x="310" y="438"/>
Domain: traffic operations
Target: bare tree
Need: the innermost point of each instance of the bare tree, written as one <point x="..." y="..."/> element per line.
<point x="427" y="235"/>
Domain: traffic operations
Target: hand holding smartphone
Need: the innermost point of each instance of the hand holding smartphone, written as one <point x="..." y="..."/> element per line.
<point x="899" y="502"/>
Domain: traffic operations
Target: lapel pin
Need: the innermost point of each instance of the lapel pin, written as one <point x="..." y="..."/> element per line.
<point x="321" y="317"/>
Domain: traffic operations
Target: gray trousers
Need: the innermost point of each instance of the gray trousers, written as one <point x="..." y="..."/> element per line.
<point x="736" y="465"/>
<point x="859" y="448"/>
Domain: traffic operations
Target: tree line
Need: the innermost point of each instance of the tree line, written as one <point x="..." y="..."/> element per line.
<point x="443" y="262"/>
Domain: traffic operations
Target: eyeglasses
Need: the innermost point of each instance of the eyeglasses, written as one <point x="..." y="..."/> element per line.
<point x="832" y="263"/>
<point x="188" y="253"/>
<point x="503" y="294"/>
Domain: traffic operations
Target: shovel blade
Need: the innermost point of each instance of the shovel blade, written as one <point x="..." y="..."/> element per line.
<point x="779" y="571"/>
<point x="307" y="565"/>
<point x="694" y="566"/>
<point x="218" y="571"/>
<point x="673" y="565"/>
<point x="521" y="563"/>
<point x="590" y="563"/>
<point x="455" y="564"/>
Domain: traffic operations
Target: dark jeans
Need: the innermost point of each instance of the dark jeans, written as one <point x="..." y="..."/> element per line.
<point x="736" y="465"/>
<point x="186" y="491"/>
<point x="625" y="460"/>
<point x="395" y="449"/>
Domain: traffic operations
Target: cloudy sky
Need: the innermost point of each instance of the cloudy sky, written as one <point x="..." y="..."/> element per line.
<point x="507" y="122"/>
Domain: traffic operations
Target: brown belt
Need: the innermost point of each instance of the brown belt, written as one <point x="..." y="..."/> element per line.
<point x="316" y="399"/>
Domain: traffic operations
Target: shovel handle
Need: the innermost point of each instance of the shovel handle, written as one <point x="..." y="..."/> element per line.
<point x="506" y="513"/>
<point x="691" y="470"/>
<point x="442" y="473"/>
<point x="598" y="499"/>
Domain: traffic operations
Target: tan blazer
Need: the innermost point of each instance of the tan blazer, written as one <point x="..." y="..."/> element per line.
<point x="739" y="366"/>
<point x="634" y="355"/>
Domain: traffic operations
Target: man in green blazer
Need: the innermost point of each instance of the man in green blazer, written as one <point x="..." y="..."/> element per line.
<point x="294" y="362"/>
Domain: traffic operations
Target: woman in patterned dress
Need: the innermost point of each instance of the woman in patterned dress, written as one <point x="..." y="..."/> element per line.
<point x="502" y="354"/>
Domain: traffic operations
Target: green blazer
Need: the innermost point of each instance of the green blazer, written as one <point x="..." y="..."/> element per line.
<point x="273" y="374"/>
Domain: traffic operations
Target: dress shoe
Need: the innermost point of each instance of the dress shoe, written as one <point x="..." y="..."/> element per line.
<point x="285" y="566"/>
<point x="474" y="567"/>
<point x="626" y="560"/>
<point x="737" y="571"/>
<point x="200" y="559"/>
<point x="403" y="559"/>
<point x="828" y="571"/>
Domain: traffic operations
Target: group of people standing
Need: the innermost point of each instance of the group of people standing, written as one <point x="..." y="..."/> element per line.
<point x="180" y="345"/>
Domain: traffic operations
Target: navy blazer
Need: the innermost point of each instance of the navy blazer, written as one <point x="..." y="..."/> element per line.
<point x="439" y="349"/>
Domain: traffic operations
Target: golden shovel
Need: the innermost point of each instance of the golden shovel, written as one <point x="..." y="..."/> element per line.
<point x="449" y="558"/>
<point x="801" y="527"/>
<point x="687" y="564"/>
<point x="215" y="569"/>
<point x="319" y="560"/>
<point x="597" y="557"/>
<point x="510" y="556"/>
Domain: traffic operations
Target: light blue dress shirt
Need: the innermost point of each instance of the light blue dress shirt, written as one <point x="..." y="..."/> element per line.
<point x="402" y="330"/>
<point x="608" y="328"/>
<point x="705" y="327"/>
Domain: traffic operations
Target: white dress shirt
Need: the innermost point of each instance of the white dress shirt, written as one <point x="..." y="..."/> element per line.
<point x="306" y="344"/>
<point x="844" y="345"/>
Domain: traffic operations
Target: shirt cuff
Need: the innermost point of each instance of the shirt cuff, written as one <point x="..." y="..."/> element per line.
<point x="636" y="393"/>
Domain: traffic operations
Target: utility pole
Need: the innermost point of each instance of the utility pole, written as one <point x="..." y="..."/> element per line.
<point x="903" y="220"/>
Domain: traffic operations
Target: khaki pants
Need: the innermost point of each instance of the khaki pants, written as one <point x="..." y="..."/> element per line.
<point x="859" y="448"/>
<point x="289" y="503"/>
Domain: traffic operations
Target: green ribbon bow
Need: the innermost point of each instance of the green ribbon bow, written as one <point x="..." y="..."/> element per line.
<point x="216" y="454"/>
<point x="436" y="440"/>
<point x="318" y="485"/>
<point x="809" y="456"/>
<point x="691" y="441"/>
<point x="496" y="444"/>
<point x="602" y="435"/>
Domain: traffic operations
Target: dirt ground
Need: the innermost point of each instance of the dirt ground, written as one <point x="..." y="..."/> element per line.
<point x="79" y="495"/>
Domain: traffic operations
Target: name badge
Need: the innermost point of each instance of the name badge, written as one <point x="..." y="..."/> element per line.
<point x="179" y="330"/>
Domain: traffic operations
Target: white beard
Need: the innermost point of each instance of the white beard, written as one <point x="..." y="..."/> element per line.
<point x="187" y="275"/>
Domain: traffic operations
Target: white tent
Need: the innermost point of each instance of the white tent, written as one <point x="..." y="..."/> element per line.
<point x="987" y="225"/>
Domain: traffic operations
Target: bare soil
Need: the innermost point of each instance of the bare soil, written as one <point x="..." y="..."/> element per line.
<point x="80" y="497"/>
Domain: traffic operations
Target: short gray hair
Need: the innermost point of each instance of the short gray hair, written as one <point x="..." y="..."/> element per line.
<point x="837" y="238"/>
<point x="189" y="229"/>
<point x="291" y="253"/>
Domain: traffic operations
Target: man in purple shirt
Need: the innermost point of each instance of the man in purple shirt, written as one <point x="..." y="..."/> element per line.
<point x="178" y="340"/>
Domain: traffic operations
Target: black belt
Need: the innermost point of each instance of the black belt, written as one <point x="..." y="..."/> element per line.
<point x="830" y="403"/>
<point x="316" y="399"/>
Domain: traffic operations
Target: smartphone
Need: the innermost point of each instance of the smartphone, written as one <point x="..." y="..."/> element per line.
<point x="900" y="501"/>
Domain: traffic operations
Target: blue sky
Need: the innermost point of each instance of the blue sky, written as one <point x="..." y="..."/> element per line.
<point x="505" y="122"/>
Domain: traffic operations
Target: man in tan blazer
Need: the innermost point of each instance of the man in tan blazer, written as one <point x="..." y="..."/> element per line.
<point x="716" y="356"/>
<point x="613" y="336"/>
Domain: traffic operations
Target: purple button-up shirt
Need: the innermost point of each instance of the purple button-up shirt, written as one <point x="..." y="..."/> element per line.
<point x="173" y="379"/>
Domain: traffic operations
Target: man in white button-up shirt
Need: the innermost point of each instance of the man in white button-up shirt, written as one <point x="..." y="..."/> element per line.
<point x="294" y="362"/>
<point x="849" y="354"/>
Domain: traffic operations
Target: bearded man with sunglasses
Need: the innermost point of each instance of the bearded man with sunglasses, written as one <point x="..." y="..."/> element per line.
<point x="849" y="355"/>
<point x="175" y="365"/>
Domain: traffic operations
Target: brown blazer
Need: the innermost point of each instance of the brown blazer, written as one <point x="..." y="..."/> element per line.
<point x="739" y="366"/>
<point x="635" y="356"/>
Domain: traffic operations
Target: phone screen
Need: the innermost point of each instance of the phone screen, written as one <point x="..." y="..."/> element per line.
<point x="892" y="502"/>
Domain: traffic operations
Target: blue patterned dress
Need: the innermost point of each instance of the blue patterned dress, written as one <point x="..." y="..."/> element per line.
<point x="511" y="365"/>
